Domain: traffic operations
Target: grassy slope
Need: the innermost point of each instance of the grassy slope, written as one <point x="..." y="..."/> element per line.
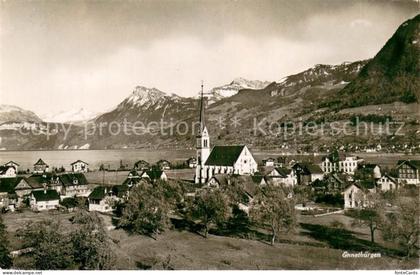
<point x="186" y="250"/>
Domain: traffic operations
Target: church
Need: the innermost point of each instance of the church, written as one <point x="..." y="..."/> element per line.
<point x="228" y="159"/>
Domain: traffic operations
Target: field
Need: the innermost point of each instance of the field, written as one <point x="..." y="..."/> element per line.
<point x="182" y="249"/>
<point x="118" y="177"/>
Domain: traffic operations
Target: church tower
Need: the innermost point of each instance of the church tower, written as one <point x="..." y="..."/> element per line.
<point x="202" y="144"/>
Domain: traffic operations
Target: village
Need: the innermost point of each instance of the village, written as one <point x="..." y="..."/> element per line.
<point x="347" y="179"/>
<point x="224" y="188"/>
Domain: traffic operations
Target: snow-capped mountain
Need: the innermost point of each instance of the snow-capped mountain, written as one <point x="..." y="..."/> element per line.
<point x="10" y="113"/>
<point x="234" y="87"/>
<point x="146" y="104"/>
<point x="322" y="74"/>
<point x="70" y="116"/>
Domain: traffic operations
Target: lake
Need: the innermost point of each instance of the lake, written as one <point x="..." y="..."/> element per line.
<point x="112" y="158"/>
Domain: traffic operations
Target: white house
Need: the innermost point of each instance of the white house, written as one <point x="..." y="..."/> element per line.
<point x="79" y="166"/>
<point x="74" y="185"/>
<point x="14" y="164"/>
<point x="7" y="172"/>
<point x="387" y="183"/>
<point x="349" y="164"/>
<point x="40" y="167"/>
<point x="409" y="171"/>
<point x="282" y="176"/>
<point x="337" y="162"/>
<point x="101" y="199"/>
<point x="42" y="200"/>
<point x="355" y="195"/>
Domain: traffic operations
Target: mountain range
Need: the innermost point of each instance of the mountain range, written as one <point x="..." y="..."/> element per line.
<point x="384" y="87"/>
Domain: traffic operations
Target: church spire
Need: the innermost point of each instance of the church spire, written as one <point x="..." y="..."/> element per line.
<point x="202" y="108"/>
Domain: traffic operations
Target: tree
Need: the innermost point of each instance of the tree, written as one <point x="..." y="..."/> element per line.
<point x="403" y="225"/>
<point x="209" y="207"/>
<point x="146" y="211"/>
<point x="5" y="260"/>
<point x="91" y="245"/>
<point x="69" y="203"/>
<point x="372" y="215"/>
<point x="51" y="248"/>
<point x="271" y="206"/>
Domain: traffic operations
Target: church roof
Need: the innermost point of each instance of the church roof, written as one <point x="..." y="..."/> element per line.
<point x="224" y="155"/>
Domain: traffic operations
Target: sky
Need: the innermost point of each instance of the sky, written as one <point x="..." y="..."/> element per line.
<point x="62" y="55"/>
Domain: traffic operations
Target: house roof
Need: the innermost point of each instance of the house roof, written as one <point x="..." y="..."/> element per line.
<point x="120" y="190"/>
<point x="283" y="171"/>
<point x="364" y="185"/>
<point x="309" y="168"/>
<point x="415" y="164"/>
<point x="257" y="178"/>
<point x="142" y="162"/>
<point x="99" y="193"/>
<point x="38" y="181"/>
<point x="8" y="184"/>
<point x="46" y="195"/>
<point x="3" y="169"/>
<point x="224" y="155"/>
<point x="69" y="179"/>
<point x="11" y="162"/>
<point x="40" y="162"/>
<point x="79" y="161"/>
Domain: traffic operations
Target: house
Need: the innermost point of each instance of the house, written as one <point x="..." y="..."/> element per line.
<point x="24" y="188"/>
<point x="163" y="164"/>
<point x="408" y="171"/>
<point x="355" y="195"/>
<point x="336" y="182"/>
<point x="349" y="164"/>
<point x="154" y="175"/>
<point x="192" y="162"/>
<point x="282" y="175"/>
<point x="79" y="166"/>
<point x="46" y="199"/>
<point x="7" y="171"/>
<point x="52" y="181"/>
<point x="268" y="162"/>
<point x="338" y="162"/>
<point x="102" y="199"/>
<point x="74" y="185"/>
<point x="307" y="172"/>
<point x="370" y="170"/>
<point x="387" y="183"/>
<point x="233" y="159"/>
<point x="40" y="167"/>
<point x="141" y="165"/>
<point x="8" y="197"/>
<point x="14" y="164"/>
